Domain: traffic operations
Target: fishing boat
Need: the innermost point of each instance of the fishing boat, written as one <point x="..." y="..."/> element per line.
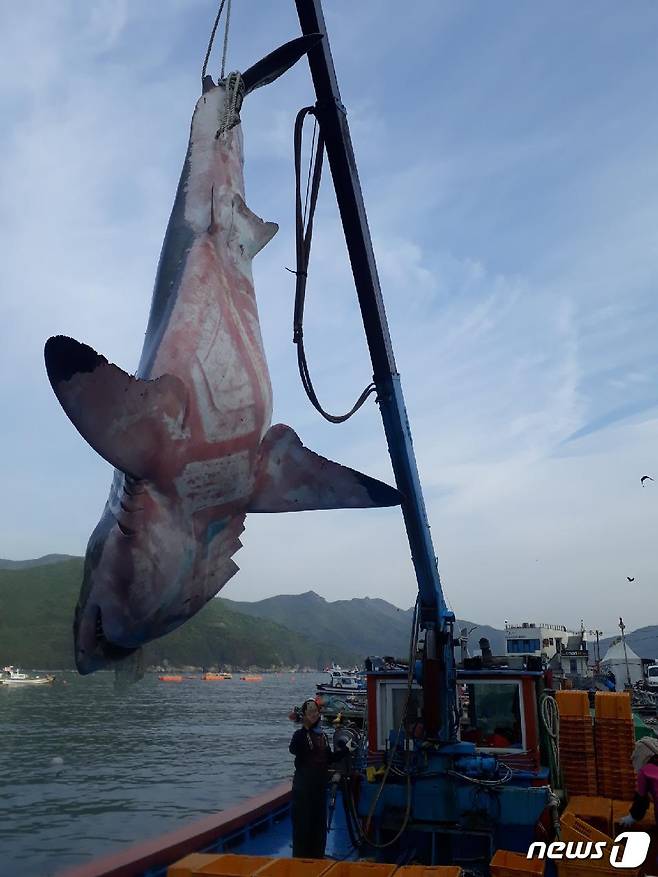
<point x="13" y="677"/>
<point x="215" y="677"/>
<point x="421" y="784"/>
<point x="342" y="682"/>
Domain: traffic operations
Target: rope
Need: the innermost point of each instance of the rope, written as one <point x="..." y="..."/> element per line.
<point x="551" y="720"/>
<point x="232" y="103"/>
<point x="225" y="49"/>
<point x="212" y="39"/>
<point x="304" y="234"/>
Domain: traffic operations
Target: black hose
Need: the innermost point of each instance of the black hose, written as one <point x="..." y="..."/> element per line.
<point x="303" y="235"/>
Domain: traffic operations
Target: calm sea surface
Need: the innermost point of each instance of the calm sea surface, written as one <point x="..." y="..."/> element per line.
<point x="136" y="762"/>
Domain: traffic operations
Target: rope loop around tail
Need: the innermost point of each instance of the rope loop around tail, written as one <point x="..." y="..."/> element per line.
<point x="303" y="236"/>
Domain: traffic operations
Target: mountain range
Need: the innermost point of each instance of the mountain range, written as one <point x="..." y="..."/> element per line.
<point x="38" y="597"/>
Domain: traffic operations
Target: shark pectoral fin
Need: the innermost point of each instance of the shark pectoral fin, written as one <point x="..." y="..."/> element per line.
<point x="253" y="233"/>
<point x="128" y="421"/>
<point x="291" y="478"/>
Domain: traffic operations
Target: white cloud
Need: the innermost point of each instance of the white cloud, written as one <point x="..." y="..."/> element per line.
<point x="513" y="217"/>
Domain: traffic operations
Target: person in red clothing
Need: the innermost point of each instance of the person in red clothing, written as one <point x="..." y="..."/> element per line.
<point x="645" y="762"/>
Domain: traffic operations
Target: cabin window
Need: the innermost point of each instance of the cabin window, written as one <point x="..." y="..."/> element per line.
<point x="391" y="699"/>
<point x="652" y="672"/>
<point x="522" y="646"/>
<point x="495" y="719"/>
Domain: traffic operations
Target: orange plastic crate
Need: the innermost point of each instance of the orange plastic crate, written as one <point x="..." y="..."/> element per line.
<point x="574" y="828"/>
<point x="232" y="865"/>
<point x="190" y="865"/>
<point x="572" y="703"/>
<point x="429" y="871"/>
<point x="360" y="869"/>
<point x="294" y="868"/>
<point x="593" y="809"/>
<point x="508" y="864"/>
<point x="613" y="705"/>
<point x="582" y="869"/>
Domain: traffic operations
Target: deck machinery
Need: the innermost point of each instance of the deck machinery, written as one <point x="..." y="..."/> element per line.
<point x="448" y="799"/>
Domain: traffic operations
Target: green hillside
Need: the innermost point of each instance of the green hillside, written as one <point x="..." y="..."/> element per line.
<point x="36" y="615"/>
<point x="37" y="601"/>
<point x="371" y="626"/>
<point x="37" y="561"/>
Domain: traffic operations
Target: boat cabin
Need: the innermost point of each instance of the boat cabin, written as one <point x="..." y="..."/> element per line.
<point x="498" y="711"/>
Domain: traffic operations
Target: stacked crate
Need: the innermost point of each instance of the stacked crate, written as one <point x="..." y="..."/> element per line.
<point x="595" y="811"/>
<point x="232" y="865"/>
<point x="614" y="735"/>
<point x="575" y="831"/>
<point x="577" y="760"/>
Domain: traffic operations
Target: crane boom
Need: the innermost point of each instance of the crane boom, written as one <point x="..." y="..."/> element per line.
<point x="439" y="669"/>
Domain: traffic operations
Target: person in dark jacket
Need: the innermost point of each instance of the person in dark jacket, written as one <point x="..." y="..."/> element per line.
<point x="313" y="755"/>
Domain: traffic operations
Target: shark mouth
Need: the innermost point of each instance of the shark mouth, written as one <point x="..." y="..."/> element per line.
<point x="107" y="647"/>
<point x="98" y="650"/>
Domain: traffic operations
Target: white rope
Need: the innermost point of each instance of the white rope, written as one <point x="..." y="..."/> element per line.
<point x="551" y="719"/>
<point x="232" y="103"/>
<point x="225" y="49"/>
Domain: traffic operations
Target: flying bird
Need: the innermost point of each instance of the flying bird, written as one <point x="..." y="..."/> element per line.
<point x="645" y="478"/>
<point x="630" y="579"/>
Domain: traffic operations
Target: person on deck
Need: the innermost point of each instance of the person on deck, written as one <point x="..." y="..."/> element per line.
<point x="645" y="762"/>
<point x="313" y="755"/>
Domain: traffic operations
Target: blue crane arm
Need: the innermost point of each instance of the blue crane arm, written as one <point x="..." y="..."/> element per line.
<point x="439" y="676"/>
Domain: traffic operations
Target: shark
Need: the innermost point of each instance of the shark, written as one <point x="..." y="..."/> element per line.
<point x="189" y="434"/>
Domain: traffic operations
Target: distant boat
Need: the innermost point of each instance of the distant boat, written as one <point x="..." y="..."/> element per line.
<point x="12" y="676"/>
<point x="170" y="678"/>
<point x="251" y="678"/>
<point x="341" y="681"/>
<point x="215" y="677"/>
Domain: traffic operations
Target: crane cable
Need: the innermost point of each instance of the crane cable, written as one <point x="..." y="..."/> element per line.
<point x="303" y="236"/>
<point x="212" y="38"/>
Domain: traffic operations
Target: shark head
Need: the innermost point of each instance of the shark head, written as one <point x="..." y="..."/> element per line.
<point x="138" y="584"/>
<point x="226" y="95"/>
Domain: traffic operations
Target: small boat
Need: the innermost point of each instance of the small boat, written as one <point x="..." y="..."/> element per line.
<point x="251" y="678"/>
<point x="342" y="681"/>
<point x="12" y="676"/>
<point x="215" y="677"/>
<point x="170" y="678"/>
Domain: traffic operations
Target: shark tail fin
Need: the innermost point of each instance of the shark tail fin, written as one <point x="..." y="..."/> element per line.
<point x="125" y="419"/>
<point x="290" y="478"/>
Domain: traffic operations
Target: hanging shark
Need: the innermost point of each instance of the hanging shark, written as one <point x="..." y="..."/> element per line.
<point x="189" y="434"/>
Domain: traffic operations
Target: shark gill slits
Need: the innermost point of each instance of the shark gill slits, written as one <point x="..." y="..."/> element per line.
<point x="125" y="531"/>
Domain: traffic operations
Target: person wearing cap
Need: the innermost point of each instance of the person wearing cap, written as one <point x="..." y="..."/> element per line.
<point x="313" y="755"/>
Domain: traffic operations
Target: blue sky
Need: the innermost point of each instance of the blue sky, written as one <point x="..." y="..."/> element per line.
<point x="507" y="154"/>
